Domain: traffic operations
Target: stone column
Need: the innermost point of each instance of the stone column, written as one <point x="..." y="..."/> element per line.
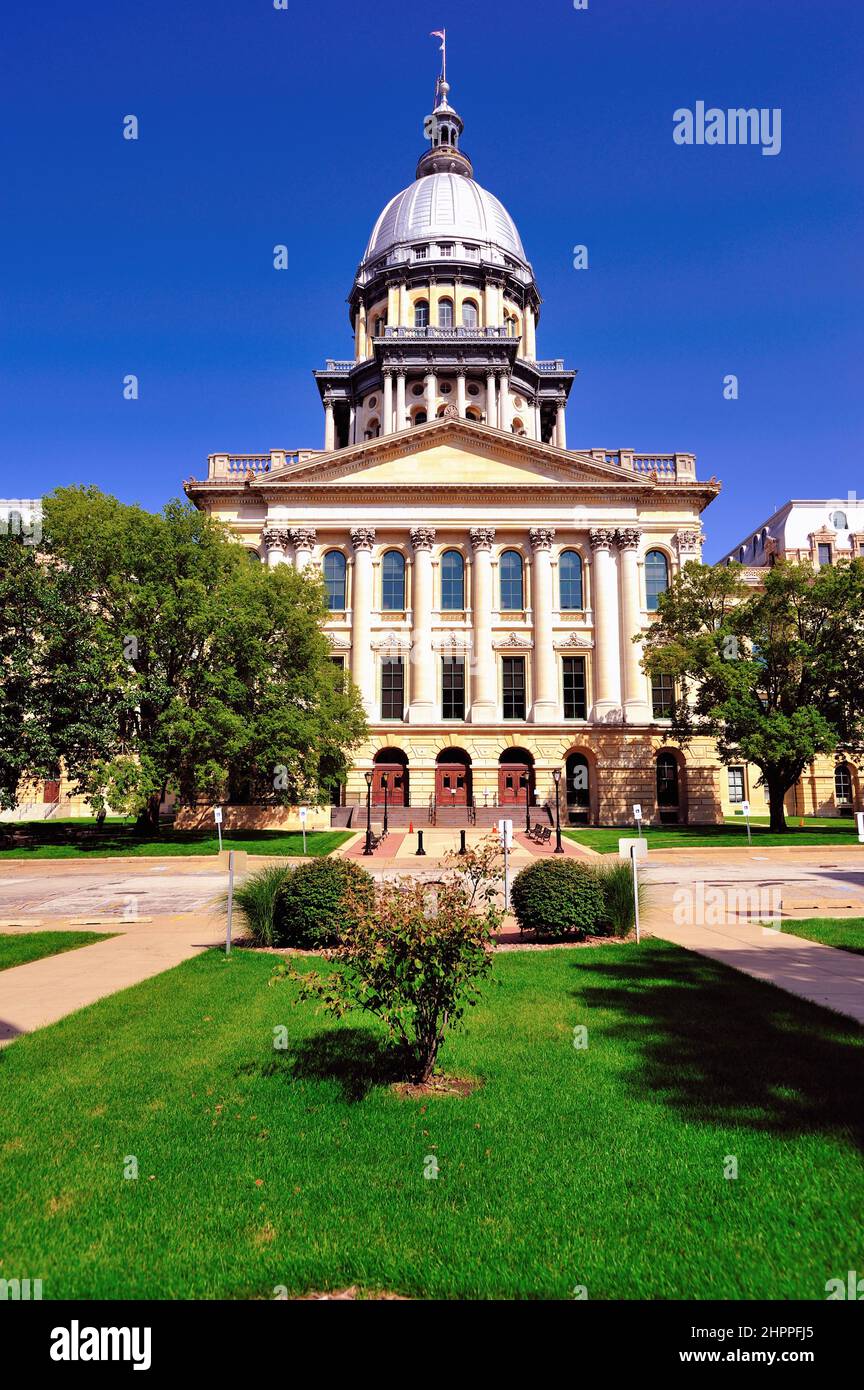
<point x="401" y="418"/>
<point x="538" y="425"/>
<point x="431" y="395"/>
<point x="360" y="335"/>
<point x="275" y="539"/>
<point x="607" y="647"/>
<point x="352" y="424"/>
<point x="387" y="423"/>
<point x="329" y="425"/>
<point x="530" y="334"/>
<point x="636" y="710"/>
<point x="362" y="664"/>
<point x="491" y="407"/>
<point x="544" y="708"/>
<point x="561" y="424"/>
<point x="304" y="539"/>
<point x="423" y="675"/>
<point x="461" y="398"/>
<point x="503" y="383"/>
<point x="484" y="681"/>
<point x="490" y="297"/>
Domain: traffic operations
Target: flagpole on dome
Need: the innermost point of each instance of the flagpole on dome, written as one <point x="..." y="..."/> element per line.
<point x="442" y="35"/>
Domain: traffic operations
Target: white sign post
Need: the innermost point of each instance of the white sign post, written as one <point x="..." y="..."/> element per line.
<point x="745" y="807"/>
<point x="633" y="858"/>
<point x="230" y="901"/>
<point x="637" y="816"/>
<point x="217" y="816"/>
<point x="859" y="816"/>
<point x="505" y="830"/>
<point x="303" y="826"/>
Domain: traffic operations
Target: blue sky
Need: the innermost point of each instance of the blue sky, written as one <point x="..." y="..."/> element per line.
<point x="260" y="126"/>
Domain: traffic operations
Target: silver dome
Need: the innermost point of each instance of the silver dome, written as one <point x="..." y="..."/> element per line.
<point x="449" y="206"/>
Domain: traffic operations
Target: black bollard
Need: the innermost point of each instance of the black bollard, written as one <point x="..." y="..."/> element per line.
<point x="462" y="849"/>
<point x="419" y="849"/>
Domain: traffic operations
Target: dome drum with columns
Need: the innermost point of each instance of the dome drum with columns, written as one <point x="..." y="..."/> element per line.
<point x="484" y="579"/>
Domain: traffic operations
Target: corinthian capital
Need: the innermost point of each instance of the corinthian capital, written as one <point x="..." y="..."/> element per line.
<point x="688" y="541"/>
<point x="422" y="537"/>
<point x="363" y="537"/>
<point x="628" y="537"/>
<point x="601" y="537"/>
<point x="303" y="537"/>
<point x="482" y="537"/>
<point x="275" y="537"/>
<point x="541" y="537"/>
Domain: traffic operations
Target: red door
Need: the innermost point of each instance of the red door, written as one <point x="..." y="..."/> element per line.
<point x="396" y="775"/>
<point x="51" y="792"/>
<point x="451" y="784"/>
<point x="511" y="783"/>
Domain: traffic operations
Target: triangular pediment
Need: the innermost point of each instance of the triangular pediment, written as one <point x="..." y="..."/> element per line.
<point x="453" y="453"/>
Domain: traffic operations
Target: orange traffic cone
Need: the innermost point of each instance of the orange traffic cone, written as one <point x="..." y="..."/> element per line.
<point x="410" y="827"/>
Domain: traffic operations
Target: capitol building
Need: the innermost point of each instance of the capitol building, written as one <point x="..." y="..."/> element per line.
<point x="485" y="579"/>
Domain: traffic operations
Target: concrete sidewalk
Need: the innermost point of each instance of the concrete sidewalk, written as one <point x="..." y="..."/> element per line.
<point x="823" y="974"/>
<point x="43" y="991"/>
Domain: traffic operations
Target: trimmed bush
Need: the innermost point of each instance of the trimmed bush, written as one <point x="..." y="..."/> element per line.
<point x="558" y="897"/>
<point x="314" y="904"/>
<point x="616" y="883"/>
<point x="255" y="900"/>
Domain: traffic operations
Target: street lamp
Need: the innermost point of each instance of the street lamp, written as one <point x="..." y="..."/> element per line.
<point x="384" y="777"/>
<point x="526" y="782"/>
<point x="368" y="846"/>
<point x="556" y="777"/>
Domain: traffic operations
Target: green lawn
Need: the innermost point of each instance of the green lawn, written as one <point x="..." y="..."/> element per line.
<point x="847" y="933"/>
<point x="19" y="949"/>
<point x="816" y="831"/>
<point x="601" y="1167"/>
<point x="72" y="839"/>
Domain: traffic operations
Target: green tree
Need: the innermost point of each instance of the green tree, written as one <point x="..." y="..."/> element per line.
<point x="773" y="675"/>
<point x="232" y="693"/>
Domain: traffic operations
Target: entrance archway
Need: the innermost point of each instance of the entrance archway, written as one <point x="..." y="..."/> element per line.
<point x="453" y="786"/>
<point x="515" y="772"/>
<point x="581" y="789"/>
<point x="671" y="788"/>
<point x="394" y="763"/>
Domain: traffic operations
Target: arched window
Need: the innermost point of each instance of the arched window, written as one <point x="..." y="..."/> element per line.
<point x="667" y="779"/>
<point x="373" y="430"/>
<point x="393" y="581"/>
<point x="843" y="785"/>
<point x="420" y="417"/>
<point x="452" y="581"/>
<point x="421" y="313"/>
<point x="656" y="578"/>
<point x="378" y="327"/>
<point x="469" y="314"/>
<point x="511" y="581"/>
<point x="334" y="579"/>
<point x="839" y="521"/>
<point x="445" y="313"/>
<point x="570" y="579"/>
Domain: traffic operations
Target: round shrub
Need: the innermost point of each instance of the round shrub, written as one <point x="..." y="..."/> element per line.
<point x="558" y="897"/>
<point x="313" y="906"/>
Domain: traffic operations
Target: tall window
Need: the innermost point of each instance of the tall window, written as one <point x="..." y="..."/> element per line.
<point x="453" y="688"/>
<point x="575" y="700"/>
<point x="513" y="687"/>
<point x="469" y="314"/>
<point x="452" y="581"/>
<point x="667" y="779"/>
<point x="445" y="313"/>
<point x="662" y="696"/>
<point x="570" y="579"/>
<point x="511" y="581"/>
<point x="334" y="579"/>
<point x="392" y="688"/>
<point x="393" y="581"/>
<point x="843" y="785"/>
<point x="736" y="785"/>
<point x="824" y="555"/>
<point x="656" y="577"/>
<point x="421" y="314"/>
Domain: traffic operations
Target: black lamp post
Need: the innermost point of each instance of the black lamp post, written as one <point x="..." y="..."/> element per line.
<point x="384" y="776"/>
<point x="527" y="784"/>
<point x="556" y="777"/>
<point x="368" y="846"/>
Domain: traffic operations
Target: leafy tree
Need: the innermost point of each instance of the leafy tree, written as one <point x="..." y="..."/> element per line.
<point x="773" y="675"/>
<point x="231" y="690"/>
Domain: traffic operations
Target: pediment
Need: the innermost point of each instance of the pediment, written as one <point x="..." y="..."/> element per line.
<point x="452" y="453"/>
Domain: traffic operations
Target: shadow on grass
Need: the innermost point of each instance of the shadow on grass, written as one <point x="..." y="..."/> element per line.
<point x="724" y="1049"/>
<point x="357" y="1059"/>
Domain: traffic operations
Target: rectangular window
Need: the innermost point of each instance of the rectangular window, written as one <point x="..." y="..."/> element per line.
<point x="824" y="554"/>
<point x="452" y="688"/>
<point x="662" y="695"/>
<point x="392" y="688"/>
<point x="513" y="687"/>
<point x="736" y="784"/>
<point x="446" y="250"/>
<point x="575" y="700"/>
<point x="420" y="253"/>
